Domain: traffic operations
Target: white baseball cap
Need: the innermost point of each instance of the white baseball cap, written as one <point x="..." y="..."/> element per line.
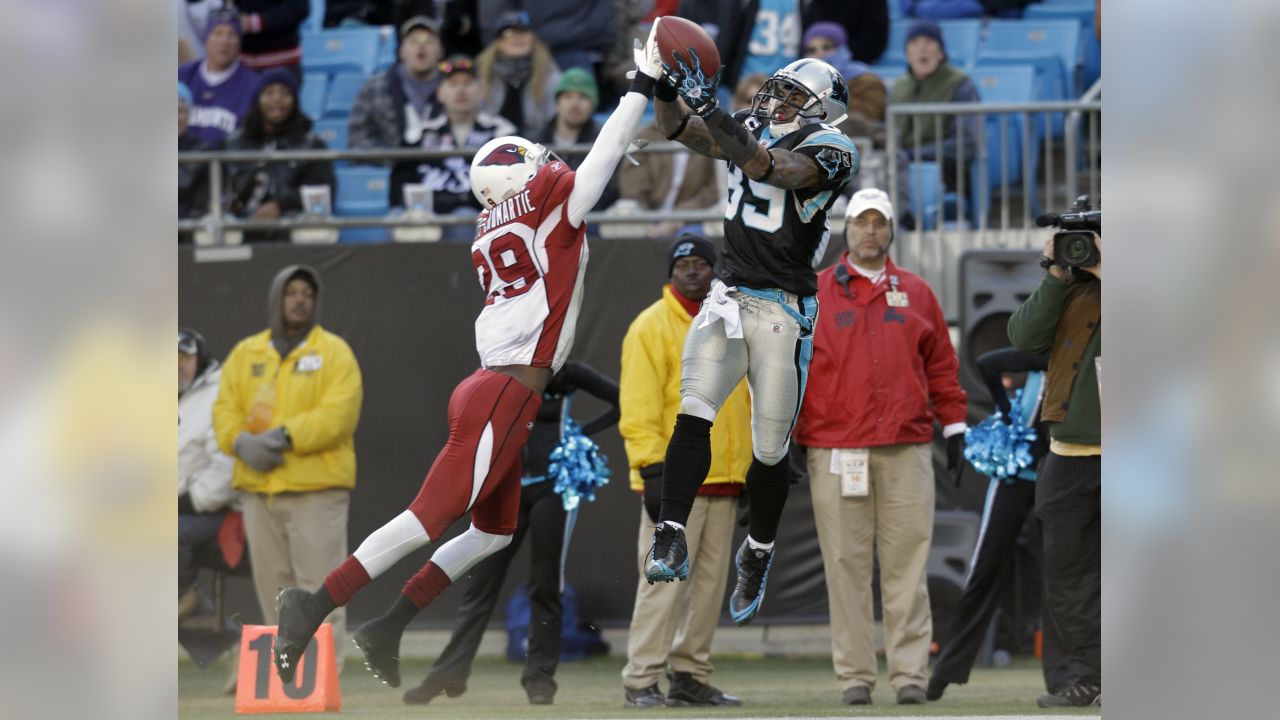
<point x="869" y="199"/>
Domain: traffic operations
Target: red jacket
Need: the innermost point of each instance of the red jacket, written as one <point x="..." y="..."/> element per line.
<point x="877" y="369"/>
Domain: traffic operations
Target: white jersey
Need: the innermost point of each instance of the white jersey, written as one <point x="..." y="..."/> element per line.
<point x="530" y="260"/>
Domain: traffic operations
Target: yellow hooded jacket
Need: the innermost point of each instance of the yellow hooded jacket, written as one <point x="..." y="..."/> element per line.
<point x="649" y="395"/>
<point x="318" y="392"/>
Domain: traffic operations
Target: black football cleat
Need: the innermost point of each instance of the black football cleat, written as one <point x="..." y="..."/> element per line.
<point x="748" y="594"/>
<point x="300" y="617"/>
<point x="379" y="641"/>
<point x="668" y="557"/>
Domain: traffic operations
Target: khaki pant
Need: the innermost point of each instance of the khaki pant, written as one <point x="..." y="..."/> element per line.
<point x="674" y="622"/>
<point x="295" y="539"/>
<point x="896" y="517"/>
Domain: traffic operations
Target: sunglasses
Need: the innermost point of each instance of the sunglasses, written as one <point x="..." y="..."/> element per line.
<point x="449" y="67"/>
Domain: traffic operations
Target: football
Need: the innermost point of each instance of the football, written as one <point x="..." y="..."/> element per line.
<point x="675" y="33"/>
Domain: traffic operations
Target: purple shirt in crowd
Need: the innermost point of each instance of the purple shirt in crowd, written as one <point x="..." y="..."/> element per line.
<point x="219" y="109"/>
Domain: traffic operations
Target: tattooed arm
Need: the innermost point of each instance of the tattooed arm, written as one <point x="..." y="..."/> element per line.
<point x="687" y="129"/>
<point x="791" y="170"/>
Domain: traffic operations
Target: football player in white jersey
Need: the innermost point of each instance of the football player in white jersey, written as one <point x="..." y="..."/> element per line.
<point x="529" y="254"/>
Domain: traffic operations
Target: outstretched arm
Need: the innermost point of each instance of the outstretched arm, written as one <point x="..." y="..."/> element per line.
<point x="619" y="130"/>
<point x="713" y="132"/>
<point x="686" y="128"/>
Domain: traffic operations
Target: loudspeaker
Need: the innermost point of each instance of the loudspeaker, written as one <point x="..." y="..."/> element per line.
<point x="993" y="284"/>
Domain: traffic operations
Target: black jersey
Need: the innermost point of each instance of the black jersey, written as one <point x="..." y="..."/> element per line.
<point x="774" y="237"/>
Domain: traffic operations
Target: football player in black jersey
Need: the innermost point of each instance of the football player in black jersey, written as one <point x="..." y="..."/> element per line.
<point x="787" y="165"/>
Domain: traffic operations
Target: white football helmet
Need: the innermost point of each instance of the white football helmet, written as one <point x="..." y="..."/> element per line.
<point x="502" y="166"/>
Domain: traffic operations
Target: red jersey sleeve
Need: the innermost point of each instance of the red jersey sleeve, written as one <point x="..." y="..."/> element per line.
<point x="552" y="184"/>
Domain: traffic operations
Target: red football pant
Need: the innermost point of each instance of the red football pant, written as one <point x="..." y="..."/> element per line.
<point x="490" y="416"/>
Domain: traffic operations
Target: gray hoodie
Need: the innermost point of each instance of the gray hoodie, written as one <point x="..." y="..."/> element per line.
<point x="275" y="307"/>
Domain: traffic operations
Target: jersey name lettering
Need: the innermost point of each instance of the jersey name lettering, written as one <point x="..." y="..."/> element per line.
<point x="508" y="210"/>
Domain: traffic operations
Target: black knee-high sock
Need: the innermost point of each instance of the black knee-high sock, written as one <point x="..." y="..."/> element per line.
<point x="767" y="487"/>
<point x="401" y="613"/>
<point x="687" y="464"/>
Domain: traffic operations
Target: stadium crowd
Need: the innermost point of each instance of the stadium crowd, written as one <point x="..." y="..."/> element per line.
<point x="450" y="76"/>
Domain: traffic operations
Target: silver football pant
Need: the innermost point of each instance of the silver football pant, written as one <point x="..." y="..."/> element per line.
<point x="773" y="352"/>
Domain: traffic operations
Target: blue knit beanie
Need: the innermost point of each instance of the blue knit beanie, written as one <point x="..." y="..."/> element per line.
<point x="926" y="28"/>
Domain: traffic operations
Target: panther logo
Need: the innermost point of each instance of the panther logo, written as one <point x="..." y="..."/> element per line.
<point x="509" y="154"/>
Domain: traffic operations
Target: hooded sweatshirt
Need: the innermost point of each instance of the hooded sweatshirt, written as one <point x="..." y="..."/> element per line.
<point x="311" y="386"/>
<point x="204" y="472"/>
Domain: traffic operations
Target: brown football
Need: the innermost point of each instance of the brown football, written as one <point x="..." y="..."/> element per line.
<point x="676" y="33"/>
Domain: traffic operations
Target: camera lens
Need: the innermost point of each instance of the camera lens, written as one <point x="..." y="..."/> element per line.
<point x="1076" y="249"/>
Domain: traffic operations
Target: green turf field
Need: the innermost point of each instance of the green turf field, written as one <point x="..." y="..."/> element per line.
<point x="791" y="687"/>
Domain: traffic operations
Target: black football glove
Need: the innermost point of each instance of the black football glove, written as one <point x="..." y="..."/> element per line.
<point x="694" y="87"/>
<point x="955" y="456"/>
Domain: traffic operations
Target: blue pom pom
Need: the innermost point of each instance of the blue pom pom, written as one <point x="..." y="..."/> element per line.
<point x="1001" y="448"/>
<point x="577" y="467"/>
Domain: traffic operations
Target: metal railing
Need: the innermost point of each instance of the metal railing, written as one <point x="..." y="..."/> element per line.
<point x="931" y="252"/>
<point x="957" y="226"/>
<point x="217" y="222"/>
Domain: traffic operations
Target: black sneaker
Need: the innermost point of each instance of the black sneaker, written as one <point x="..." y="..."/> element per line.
<point x="911" y="695"/>
<point x="686" y="691"/>
<point x="541" y="690"/>
<point x="643" y="698"/>
<point x="856" y="695"/>
<point x="1074" y="695"/>
<point x="430" y="689"/>
<point x="753" y="571"/>
<point x="937" y="686"/>
<point x="669" y="557"/>
<point x="300" y="617"/>
<point x="379" y="640"/>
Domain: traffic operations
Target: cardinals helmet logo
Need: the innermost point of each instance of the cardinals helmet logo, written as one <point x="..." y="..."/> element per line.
<point x="509" y="154"/>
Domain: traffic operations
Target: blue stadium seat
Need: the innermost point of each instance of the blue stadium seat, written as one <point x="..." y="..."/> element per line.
<point x="387" y="47"/>
<point x="1074" y="10"/>
<point x="896" y="50"/>
<point x="889" y="72"/>
<point x="924" y="179"/>
<point x="362" y="192"/>
<point x="1008" y="84"/>
<point x="311" y="96"/>
<point x="333" y="132"/>
<point x="315" y="17"/>
<point x="961" y="37"/>
<point x="1053" y="46"/>
<point x="342" y="94"/>
<point x="345" y="50"/>
<point x="1083" y="12"/>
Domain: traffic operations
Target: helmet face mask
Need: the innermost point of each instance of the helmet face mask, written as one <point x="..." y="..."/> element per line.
<point x="504" y="165"/>
<point x="777" y="102"/>
<point x="825" y="96"/>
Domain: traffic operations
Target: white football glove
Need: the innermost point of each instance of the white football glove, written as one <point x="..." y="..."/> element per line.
<point x="648" y="59"/>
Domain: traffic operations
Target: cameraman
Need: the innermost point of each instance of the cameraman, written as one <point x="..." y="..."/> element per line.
<point x="1063" y="317"/>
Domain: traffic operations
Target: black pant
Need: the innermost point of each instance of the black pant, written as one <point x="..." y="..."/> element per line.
<point x="1069" y="505"/>
<point x="542" y="517"/>
<point x="1005" y="513"/>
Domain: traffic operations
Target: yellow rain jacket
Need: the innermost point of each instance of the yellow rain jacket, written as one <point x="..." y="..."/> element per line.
<point x="649" y="393"/>
<point x="318" y="392"/>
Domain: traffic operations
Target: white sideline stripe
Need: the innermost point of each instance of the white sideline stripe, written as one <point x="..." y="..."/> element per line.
<point x="480" y="468"/>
